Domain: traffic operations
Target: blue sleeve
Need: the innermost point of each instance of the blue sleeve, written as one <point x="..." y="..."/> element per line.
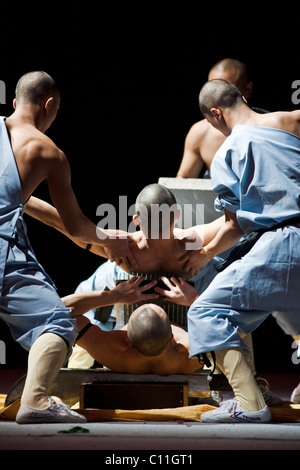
<point x="225" y="183"/>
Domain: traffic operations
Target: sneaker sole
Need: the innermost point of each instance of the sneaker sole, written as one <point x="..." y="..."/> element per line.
<point x="237" y="417"/>
<point x="50" y="420"/>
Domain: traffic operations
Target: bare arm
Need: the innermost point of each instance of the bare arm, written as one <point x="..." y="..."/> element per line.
<point x="48" y="214"/>
<point x="127" y="292"/>
<point x="191" y="163"/>
<point x="204" y="232"/>
<point x="228" y="235"/>
<point x="210" y="230"/>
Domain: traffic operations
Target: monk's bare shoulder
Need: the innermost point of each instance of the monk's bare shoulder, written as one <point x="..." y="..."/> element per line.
<point x="288" y="121"/>
<point x="42" y="147"/>
<point x="196" y="133"/>
<point x="37" y="157"/>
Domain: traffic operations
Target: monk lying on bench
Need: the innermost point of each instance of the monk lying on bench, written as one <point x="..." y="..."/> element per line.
<point x="149" y="343"/>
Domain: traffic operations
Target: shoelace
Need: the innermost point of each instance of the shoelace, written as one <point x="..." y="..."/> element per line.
<point x="229" y="405"/>
<point x="61" y="406"/>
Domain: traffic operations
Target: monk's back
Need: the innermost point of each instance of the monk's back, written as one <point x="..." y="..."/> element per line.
<point x="170" y="361"/>
<point x="34" y="153"/>
<point x="164" y="258"/>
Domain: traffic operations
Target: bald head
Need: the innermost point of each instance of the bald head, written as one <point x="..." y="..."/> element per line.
<point x="229" y="65"/>
<point x="219" y="94"/>
<point x="157" y="209"/>
<point x="35" y="87"/>
<point x="235" y="72"/>
<point x="149" y="329"/>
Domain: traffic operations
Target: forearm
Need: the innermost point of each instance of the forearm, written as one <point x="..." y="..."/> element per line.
<point x="207" y="232"/>
<point x="44" y="212"/>
<point x="227" y="236"/>
<point x="102" y="242"/>
<point x="82" y="302"/>
<point x="48" y="214"/>
<point x="127" y="292"/>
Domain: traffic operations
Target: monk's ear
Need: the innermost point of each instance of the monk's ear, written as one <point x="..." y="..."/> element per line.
<point x="136" y="220"/>
<point x="49" y="103"/>
<point x="216" y="112"/>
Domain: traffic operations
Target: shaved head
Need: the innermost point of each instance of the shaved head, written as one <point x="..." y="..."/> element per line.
<point x="218" y="93"/>
<point x="34" y="87"/>
<point x="149" y="329"/>
<point x="157" y="208"/>
<point x="228" y="65"/>
<point x="235" y="72"/>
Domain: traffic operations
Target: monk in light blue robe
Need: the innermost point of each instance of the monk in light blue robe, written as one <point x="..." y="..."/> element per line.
<point x="256" y="174"/>
<point x="256" y="177"/>
<point x="29" y="303"/>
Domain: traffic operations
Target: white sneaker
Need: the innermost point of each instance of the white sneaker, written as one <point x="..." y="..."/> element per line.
<point x="230" y="411"/>
<point x="57" y="412"/>
<point x="295" y="397"/>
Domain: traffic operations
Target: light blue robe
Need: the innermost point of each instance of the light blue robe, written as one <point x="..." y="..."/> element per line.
<point x="104" y="278"/>
<point x="256" y="175"/>
<point x="29" y="303"/>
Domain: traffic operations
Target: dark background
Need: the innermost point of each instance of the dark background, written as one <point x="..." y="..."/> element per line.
<point x="130" y="80"/>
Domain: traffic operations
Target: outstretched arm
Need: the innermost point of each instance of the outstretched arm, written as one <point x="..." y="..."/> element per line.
<point x="48" y="214"/>
<point x="228" y="235"/>
<point x="127" y="292"/>
<point x="200" y="235"/>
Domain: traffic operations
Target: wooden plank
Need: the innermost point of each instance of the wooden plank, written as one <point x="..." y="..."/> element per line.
<point x="133" y="396"/>
<point x="67" y="383"/>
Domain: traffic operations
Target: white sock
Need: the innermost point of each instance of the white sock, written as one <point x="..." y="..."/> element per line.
<point x="234" y="365"/>
<point x="46" y="357"/>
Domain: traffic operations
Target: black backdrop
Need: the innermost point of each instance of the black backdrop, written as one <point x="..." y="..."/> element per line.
<point x="130" y="82"/>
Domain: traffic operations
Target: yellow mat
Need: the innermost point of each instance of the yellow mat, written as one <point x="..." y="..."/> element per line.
<point x="184" y="413"/>
<point x="285" y="413"/>
<point x="8" y="413"/>
<point x="2" y="400"/>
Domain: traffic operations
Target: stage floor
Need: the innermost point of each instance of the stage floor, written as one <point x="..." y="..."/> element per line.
<point x="127" y="437"/>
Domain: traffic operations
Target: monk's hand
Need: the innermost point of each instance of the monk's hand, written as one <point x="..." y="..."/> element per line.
<point x="133" y="291"/>
<point x="196" y="261"/>
<point x="179" y="291"/>
<point x="191" y="242"/>
<point x="118" y="247"/>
